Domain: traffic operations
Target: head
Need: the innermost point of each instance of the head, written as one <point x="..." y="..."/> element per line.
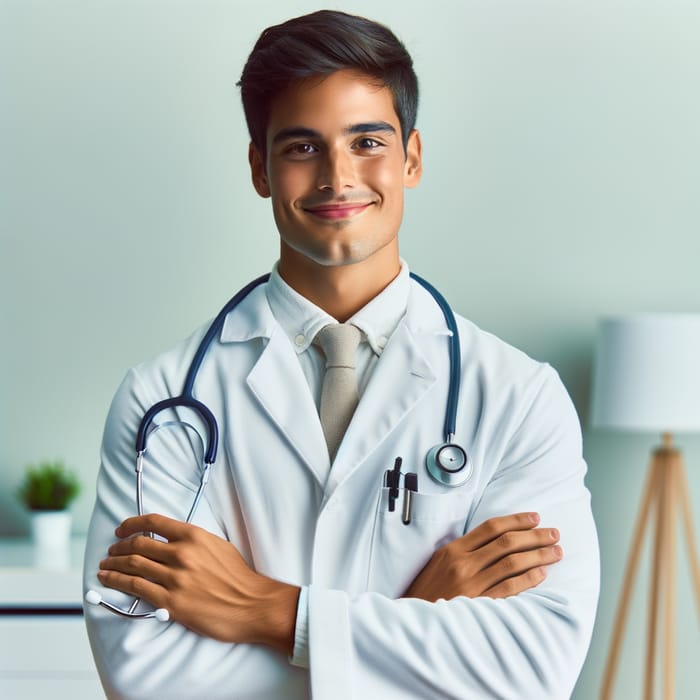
<point x="331" y="101"/>
<point x="320" y="44"/>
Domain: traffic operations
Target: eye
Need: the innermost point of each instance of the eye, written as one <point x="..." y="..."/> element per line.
<point x="368" y="143"/>
<point x="300" y="149"/>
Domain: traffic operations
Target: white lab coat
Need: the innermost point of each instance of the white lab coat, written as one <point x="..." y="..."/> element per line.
<point x="268" y="496"/>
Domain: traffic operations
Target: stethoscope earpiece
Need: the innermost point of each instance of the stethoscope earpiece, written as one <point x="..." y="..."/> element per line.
<point x="448" y="464"/>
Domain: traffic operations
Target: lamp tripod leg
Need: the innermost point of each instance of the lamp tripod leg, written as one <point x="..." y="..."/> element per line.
<point x="669" y="601"/>
<point x="682" y="488"/>
<point x="649" y="501"/>
<point x="658" y="578"/>
<point x="665" y="495"/>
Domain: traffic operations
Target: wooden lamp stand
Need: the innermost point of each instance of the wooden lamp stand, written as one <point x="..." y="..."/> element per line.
<point x="665" y="499"/>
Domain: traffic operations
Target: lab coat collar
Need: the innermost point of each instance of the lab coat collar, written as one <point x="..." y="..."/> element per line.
<point x="293" y="409"/>
<point x="252" y="318"/>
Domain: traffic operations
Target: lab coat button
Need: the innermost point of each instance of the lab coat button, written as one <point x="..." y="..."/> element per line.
<point x="300" y="340"/>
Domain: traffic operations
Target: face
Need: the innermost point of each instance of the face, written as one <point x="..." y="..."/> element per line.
<point x="336" y="170"/>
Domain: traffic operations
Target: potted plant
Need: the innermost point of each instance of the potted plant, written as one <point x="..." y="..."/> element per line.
<point x="47" y="490"/>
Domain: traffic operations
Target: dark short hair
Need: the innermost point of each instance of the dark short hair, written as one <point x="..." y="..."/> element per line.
<point x="319" y="44"/>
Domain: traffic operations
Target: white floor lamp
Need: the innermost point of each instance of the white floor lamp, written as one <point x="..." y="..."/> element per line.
<point x="647" y="378"/>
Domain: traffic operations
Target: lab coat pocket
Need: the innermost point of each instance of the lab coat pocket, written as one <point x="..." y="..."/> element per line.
<point x="400" y="551"/>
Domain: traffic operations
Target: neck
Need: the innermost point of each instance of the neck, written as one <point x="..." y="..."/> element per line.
<point x="340" y="290"/>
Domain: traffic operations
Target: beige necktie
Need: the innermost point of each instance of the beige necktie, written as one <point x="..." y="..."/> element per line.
<point x="339" y="396"/>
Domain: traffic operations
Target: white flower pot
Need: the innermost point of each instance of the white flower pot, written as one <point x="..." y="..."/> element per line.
<point x="51" y="537"/>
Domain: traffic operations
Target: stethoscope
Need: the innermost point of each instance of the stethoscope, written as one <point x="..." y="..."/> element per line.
<point x="447" y="463"/>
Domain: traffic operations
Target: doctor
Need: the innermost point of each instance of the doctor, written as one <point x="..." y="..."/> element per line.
<point x="295" y="578"/>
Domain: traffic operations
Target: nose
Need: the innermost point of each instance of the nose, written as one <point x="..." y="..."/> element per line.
<point x="337" y="171"/>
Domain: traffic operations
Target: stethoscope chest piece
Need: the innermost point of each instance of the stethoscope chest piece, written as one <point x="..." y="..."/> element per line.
<point x="448" y="464"/>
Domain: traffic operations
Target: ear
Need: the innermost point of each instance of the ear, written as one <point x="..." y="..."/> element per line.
<point x="258" y="173"/>
<point x="413" y="168"/>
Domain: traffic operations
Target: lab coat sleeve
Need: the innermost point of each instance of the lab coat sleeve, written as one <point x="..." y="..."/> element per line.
<point x="528" y="646"/>
<point x="146" y="658"/>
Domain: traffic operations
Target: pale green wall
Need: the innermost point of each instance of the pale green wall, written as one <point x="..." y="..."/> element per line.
<point x="561" y="183"/>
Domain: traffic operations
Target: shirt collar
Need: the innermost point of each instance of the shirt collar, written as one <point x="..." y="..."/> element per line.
<point x="301" y="319"/>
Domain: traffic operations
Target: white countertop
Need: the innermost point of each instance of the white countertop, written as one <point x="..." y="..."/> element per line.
<point x="28" y="579"/>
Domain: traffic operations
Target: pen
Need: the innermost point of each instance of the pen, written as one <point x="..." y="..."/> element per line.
<point x="410" y="486"/>
<point x="391" y="479"/>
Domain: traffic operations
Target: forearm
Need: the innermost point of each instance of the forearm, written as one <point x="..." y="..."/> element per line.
<point x="150" y="659"/>
<point x="529" y="646"/>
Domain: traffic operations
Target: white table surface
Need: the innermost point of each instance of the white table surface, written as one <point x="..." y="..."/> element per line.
<point x="44" y="649"/>
<point x="29" y="578"/>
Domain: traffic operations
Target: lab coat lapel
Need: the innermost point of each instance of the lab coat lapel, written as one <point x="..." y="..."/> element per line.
<point x="279" y="385"/>
<point x="400" y="379"/>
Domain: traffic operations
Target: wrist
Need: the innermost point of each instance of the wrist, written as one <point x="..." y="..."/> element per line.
<point x="276" y="614"/>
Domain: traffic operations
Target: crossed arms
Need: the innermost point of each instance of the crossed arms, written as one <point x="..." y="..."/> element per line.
<point x="206" y="585"/>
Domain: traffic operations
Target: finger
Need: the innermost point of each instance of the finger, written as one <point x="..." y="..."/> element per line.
<point x="136" y="565"/>
<point x="515" y="565"/>
<point x="517" y="584"/>
<point x="150" y="591"/>
<point x="495" y="527"/>
<point x="513" y="542"/>
<point x="145" y="546"/>
<point x="166" y="527"/>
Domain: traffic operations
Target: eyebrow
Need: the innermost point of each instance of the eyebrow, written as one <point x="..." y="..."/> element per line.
<point x="296" y="132"/>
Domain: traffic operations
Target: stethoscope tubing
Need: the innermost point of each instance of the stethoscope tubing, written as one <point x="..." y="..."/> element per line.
<point x="187" y="401"/>
<point x="455" y="351"/>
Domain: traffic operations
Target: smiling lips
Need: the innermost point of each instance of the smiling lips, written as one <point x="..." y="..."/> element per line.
<point x="338" y="211"/>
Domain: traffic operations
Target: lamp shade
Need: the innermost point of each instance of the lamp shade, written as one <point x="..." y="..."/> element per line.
<point x="647" y="373"/>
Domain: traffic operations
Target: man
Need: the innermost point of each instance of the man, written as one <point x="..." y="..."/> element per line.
<point x="297" y="578"/>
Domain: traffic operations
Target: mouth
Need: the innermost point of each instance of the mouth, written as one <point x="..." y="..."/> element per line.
<point x="338" y="211"/>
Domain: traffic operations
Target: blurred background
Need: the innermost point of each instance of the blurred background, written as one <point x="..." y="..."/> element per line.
<point x="562" y="158"/>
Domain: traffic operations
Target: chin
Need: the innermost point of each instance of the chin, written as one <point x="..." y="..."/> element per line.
<point x="343" y="256"/>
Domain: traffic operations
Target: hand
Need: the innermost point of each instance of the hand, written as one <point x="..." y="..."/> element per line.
<point x="202" y="581"/>
<point x="499" y="558"/>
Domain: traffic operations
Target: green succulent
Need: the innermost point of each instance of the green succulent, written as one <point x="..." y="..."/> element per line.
<point x="48" y="486"/>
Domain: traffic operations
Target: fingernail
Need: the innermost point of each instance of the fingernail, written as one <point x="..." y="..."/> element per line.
<point x="101" y="574"/>
<point x="558" y="551"/>
<point x="534" y="518"/>
<point x="554" y="534"/>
